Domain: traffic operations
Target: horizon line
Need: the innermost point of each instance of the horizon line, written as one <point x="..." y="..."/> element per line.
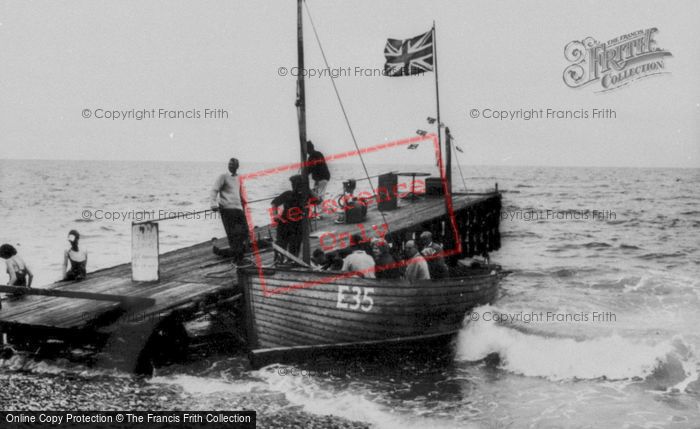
<point x="347" y="163"/>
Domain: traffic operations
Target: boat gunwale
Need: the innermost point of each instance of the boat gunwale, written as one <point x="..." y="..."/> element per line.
<point x="344" y="276"/>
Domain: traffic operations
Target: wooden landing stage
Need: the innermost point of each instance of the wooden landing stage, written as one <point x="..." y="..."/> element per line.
<point x="192" y="280"/>
<point x="185" y="282"/>
<point x="476" y="214"/>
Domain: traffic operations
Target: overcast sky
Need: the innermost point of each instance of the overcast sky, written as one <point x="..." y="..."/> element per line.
<point x="58" y="58"/>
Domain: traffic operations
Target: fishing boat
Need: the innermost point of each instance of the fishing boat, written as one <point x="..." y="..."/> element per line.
<point x="356" y="313"/>
<point x="296" y="310"/>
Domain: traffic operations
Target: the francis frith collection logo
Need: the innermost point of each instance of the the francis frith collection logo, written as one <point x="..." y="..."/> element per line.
<point x="615" y="63"/>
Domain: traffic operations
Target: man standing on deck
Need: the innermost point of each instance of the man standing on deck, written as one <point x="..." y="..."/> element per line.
<point x="318" y="169"/>
<point x="226" y="198"/>
<point x="289" y="223"/>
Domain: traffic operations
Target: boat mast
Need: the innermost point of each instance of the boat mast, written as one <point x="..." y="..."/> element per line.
<point x="301" y="113"/>
<point x="448" y="137"/>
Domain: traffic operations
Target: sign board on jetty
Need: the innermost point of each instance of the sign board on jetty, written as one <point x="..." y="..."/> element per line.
<point x="144" y="252"/>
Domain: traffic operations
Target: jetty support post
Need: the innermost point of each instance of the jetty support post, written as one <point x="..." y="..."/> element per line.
<point x="145" y="252"/>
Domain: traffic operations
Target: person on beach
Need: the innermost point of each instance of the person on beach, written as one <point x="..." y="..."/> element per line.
<point x="74" y="259"/>
<point x="289" y="222"/>
<point x="437" y="266"/>
<point x="318" y="169"/>
<point x="227" y="199"/>
<point x="17" y="269"/>
<point x="417" y="267"/>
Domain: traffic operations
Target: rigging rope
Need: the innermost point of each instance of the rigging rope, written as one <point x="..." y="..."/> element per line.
<point x="464" y="183"/>
<point x="342" y="106"/>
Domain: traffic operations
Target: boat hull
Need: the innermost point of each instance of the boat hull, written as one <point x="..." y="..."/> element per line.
<point x="286" y="319"/>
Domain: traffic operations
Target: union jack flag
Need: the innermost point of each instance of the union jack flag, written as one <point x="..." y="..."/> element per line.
<point x="409" y="56"/>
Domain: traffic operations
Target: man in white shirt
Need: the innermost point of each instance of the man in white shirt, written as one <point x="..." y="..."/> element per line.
<point x="225" y="197"/>
<point x="417" y="267"/>
<point x="360" y="261"/>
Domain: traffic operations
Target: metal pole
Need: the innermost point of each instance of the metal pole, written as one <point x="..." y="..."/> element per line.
<point x="301" y="106"/>
<point x="437" y="90"/>
<point x="448" y="149"/>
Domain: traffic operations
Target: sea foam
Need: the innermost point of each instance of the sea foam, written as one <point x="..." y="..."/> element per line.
<point x="557" y="358"/>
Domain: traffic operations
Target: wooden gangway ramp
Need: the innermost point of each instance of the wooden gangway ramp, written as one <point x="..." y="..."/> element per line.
<point x="186" y="280"/>
<point x="123" y="320"/>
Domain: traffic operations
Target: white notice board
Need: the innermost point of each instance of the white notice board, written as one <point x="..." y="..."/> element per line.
<point x="144" y="252"/>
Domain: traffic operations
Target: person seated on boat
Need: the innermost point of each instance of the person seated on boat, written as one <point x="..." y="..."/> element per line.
<point x="437" y="266"/>
<point x="417" y="267"/>
<point x="335" y="261"/>
<point x="319" y="260"/>
<point x="478" y="261"/>
<point x="359" y="260"/>
<point x="358" y="242"/>
<point x="289" y="223"/>
<point x="17" y="269"/>
<point x="384" y="260"/>
<point x="76" y="258"/>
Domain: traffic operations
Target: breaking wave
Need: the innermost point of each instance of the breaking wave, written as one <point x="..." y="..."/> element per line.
<point x="560" y="358"/>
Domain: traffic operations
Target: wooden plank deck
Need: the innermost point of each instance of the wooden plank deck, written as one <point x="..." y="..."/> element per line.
<point x="182" y="281"/>
<point x="409" y="215"/>
<point x="187" y="275"/>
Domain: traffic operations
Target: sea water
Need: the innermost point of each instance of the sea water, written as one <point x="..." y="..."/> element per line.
<point x="597" y="325"/>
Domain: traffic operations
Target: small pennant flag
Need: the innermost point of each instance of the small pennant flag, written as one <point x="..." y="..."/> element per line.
<point x="458" y="149"/>
<point x="410" y="56"/>
<point x="412" y="146"/>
